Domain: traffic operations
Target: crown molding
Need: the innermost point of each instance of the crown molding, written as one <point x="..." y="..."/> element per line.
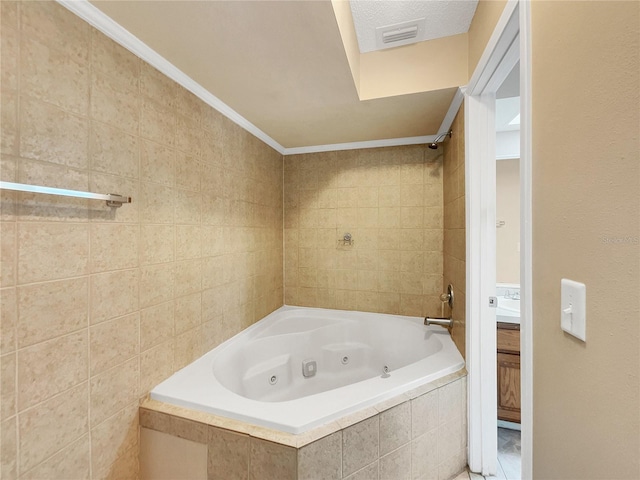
<point x="390" y="142"/>
<point x="456" y="101"/>
<point x="448" y="119"/>
<point x="102" y="22"/>
<point x="119" y="34"/>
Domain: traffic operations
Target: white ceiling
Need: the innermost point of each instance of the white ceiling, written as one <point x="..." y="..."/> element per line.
<point x="281" y="65"/>
<point x="511" y="85"/>
<point x="443" y="18"/>
<point x="507" y="114"/>
<point x="508" y="102"/>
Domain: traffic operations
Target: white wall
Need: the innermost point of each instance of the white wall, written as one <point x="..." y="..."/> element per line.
<point x="508" y="144"/>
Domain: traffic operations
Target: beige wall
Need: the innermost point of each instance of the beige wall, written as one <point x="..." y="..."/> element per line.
<point x="508" y="211"/>
<point x="586" y="179"/>
<point x="402" y="70"/>
<point x="484" y="21"/>
<point x="410" y="68"/>
<point x="455" y="253"/>
<point x="99" y="305"/>
<point x="390" y="200"/>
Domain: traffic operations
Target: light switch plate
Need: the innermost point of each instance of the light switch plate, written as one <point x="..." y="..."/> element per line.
<point x="573" y="308"/>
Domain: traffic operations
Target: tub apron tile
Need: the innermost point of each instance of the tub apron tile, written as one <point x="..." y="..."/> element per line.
<point x="321" y="459"/>
<point x="270" y="461"/>
<point x="360" y="445"/>
<point x="228" y="456"/>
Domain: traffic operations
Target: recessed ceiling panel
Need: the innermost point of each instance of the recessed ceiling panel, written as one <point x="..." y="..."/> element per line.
<point x="432" y="19"/>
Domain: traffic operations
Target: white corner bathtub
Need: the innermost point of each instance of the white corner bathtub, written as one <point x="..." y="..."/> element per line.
<point x="257" y="376"/>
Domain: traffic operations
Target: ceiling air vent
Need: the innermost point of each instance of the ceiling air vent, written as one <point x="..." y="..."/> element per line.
<point x="400" y="34"/>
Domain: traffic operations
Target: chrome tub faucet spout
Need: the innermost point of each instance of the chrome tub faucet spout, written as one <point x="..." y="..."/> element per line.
<point x="443" y="322"/>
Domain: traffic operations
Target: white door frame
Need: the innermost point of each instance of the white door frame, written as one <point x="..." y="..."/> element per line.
<point x="526" y="243"/>
<point x="509" y="43"/>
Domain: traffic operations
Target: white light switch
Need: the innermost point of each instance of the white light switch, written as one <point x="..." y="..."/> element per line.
<point x="573" y="308"/>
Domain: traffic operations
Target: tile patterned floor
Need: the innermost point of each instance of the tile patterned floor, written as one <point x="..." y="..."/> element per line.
<point x="464" y="476"/>
<point x="508" y="458"/>
<point x="509" y="453"/>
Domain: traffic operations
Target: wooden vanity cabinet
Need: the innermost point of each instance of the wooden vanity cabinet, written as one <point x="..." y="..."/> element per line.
<point x="509" y="372"/>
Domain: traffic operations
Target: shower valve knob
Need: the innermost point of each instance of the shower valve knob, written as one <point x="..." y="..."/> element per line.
<point x="448" y="296"/>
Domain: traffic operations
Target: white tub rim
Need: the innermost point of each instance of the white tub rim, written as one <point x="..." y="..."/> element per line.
<point x="404" y="381"/>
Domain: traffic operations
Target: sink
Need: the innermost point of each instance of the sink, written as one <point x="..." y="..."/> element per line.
<point x="508" y="310"/>
<point x="509" y="304"/>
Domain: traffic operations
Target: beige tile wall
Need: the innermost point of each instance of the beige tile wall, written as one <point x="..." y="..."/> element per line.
<point x="390" y="200"/>
<point x="101" y="304"/>
<point x="454" y="226"/>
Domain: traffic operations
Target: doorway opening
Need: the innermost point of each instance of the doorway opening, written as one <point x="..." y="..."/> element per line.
<point x="508" y="46"/>
<point x="508" y="275"/>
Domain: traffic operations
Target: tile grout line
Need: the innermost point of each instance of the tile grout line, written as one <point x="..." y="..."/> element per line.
<point x="90" y="265"/>
<point x="16" y="253"/>
<point x="32" y="407"/>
